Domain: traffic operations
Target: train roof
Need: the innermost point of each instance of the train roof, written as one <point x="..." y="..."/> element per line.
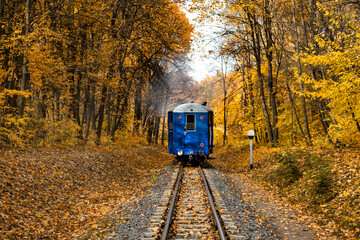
<point x="191" y="107"/>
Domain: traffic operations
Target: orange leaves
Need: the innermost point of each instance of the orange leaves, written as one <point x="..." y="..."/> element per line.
<point x="82" y="51"/>
<point x="169" y="33"/>
<point x="59" y="194"/>
<point x="339" y="214"/>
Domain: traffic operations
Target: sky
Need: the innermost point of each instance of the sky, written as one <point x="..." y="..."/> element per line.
<point x="201" y="66"/>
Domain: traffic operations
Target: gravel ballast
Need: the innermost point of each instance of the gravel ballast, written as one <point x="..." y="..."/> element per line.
<point x="137" y="212"/>
<point x="250" y="225"/>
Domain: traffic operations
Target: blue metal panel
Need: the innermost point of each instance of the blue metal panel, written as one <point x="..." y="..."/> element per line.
<point x="191" y="141"/>
<point x="181" y="139"/>
<point x="203" y="143"/>
<point x="170" y="133"/>
<point x="178" y="132"/>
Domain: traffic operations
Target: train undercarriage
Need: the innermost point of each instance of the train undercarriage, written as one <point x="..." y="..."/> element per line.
<point x="193" y="159"/>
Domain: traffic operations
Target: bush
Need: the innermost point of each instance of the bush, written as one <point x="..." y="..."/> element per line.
<point x="125" y="138"/>
<point x="287" y="171"/>
<point x="64" y="132"/>
<point x="317" y="185"/>
<point x="13" y="132"/>
<point x="303" y="176"/>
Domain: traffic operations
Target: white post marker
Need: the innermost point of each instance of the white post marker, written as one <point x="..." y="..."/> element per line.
<point x="251" y="135"/>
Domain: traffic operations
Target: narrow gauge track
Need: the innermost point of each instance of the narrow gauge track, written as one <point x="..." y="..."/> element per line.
<point x="192" y="214"/>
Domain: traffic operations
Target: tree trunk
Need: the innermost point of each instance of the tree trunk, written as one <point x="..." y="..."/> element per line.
<point x="101" y="114"/>
<point x="57" y="106"/>
<point x="356" y="121"/>
<point x="116" y="116"/>
<point x="11" y="101"/>
<point x="137" y="110"/>
<point x="157" y="129"/>
<point x="94" y="115"/>
<point x="293" y="109"/>
<point x="224" y="76"/>
<point x="77" y="105"/>
<point x="25" y="72"/>
<point x="91" y="111"/>
<point x="292" y="127"/>
<point x="109" y="119"/>
<point x="292" y="101"/>
<point x="325" y="124"/>
<point x="42" y="106"/>
<point x="271" y="82"/>
<point x="251" y="96"/>
<point x="86" y="104"/>
<point x="164" y="121"/>
<point x="1" y="14"/>
<point x="150" y="125"/>
<point x="120" y="114"/>
<point x="297" y="47"/>
<point x="257" y="53"/>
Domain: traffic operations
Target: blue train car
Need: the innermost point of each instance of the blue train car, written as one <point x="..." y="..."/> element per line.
<point x="190" y="131"/>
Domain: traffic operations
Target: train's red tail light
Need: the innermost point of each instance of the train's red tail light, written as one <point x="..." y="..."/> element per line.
<point x="201" y="144"/>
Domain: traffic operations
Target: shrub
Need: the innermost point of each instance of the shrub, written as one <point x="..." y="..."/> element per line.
<point x="317" y="186"/>
<point x="287" y="171"/>
<point x="64" y="132"/>
<point x="125" y="138"/>
<point x="12" y="131"/>
<point x="304" y="177"/>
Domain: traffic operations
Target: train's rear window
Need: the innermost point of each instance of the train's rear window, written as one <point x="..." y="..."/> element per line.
<point x="190" y="122"/>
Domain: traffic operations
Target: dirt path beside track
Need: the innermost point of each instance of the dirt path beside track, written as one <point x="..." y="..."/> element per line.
<point x="285" y="222"/>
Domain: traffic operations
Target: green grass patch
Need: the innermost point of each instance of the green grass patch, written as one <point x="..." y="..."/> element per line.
<point x="303" y="177"/>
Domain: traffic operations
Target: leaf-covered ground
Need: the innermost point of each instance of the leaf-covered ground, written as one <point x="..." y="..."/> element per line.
<point x="61" y="193"/>
<point x="321" y="184"/>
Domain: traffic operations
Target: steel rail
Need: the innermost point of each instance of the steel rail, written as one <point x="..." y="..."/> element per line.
<point x="212" y="206"/>
<point x="172" y="205"/>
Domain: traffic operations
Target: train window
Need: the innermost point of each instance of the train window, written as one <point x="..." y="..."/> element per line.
<point x="190" y="122"/>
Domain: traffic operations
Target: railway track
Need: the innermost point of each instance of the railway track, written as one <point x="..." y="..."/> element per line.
<point x="190" y="211"/>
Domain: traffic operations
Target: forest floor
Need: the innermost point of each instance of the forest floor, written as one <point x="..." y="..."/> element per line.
<point x="299" y="189"/>
<point x="62" y="193"/>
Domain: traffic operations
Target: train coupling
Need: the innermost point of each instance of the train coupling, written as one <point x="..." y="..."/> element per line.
<point x="191" y="155"/>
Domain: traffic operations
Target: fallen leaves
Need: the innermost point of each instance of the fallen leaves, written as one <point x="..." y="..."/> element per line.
<point x="339" y="215"/>
<point x="60" y="193"/>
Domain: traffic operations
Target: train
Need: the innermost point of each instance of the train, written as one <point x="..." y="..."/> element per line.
<point x="191" y="132"/>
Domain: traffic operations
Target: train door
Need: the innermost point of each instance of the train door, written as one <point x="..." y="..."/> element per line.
<point x="211" y="132"/>
<point x="191" y="136"/>
<point x="170" y="132"/>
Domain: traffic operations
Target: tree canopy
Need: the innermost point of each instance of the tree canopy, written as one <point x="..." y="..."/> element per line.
<point x="296" y="68"/>
<point x="75" y="67"/>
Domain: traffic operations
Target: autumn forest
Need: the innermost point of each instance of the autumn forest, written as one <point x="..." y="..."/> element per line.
<point x="295" y="75"/>
<point x="90" y="69"/>
<point x="81" y="68"/>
